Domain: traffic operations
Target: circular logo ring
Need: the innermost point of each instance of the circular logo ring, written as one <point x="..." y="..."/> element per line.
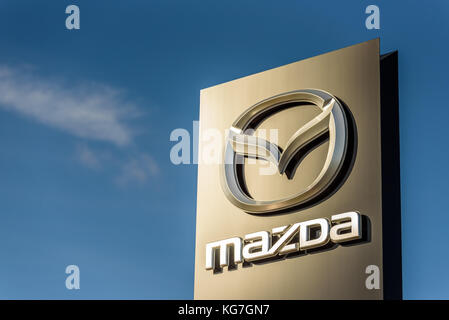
<point x="331" y="121"/>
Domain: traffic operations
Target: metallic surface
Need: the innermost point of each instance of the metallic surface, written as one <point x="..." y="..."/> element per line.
<point x="330" y="120"/>
<point x="259" y="245"/>
<point x="352" y="76"/>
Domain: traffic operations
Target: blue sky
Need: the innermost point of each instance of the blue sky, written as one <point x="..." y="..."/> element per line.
<point x="86" y="115"/>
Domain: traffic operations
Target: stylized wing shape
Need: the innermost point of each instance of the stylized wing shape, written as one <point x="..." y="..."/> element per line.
<point x="252" y="146"/>
<point x="256" y="147"/>
<point x="306" y="134"/>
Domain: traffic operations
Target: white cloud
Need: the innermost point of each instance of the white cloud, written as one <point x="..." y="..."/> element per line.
<point x="91" y="111"/>
<point x="88" y="157"/>
<point x="138" y="169"/>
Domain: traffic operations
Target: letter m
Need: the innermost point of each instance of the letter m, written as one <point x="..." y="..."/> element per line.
<point x="225" y="248"/>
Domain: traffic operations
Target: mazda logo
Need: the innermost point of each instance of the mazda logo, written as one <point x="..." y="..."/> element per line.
<point x="330" y="124"/>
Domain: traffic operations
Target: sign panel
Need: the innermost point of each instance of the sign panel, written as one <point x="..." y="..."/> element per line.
<point x="290" y="184"/>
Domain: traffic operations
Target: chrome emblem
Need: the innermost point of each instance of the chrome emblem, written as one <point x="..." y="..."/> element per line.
<point x="331" y="124"/>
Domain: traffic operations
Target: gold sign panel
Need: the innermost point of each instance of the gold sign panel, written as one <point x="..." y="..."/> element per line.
<point x="293" y="206"/>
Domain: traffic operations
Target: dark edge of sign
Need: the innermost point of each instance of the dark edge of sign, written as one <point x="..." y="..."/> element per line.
<point x="391" y="182"/>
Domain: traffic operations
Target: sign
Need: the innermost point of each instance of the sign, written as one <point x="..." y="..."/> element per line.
<point x="304" y="211"/>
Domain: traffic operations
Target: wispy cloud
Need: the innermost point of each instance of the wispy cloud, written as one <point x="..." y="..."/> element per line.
<point x="91" y="111"/>
<point x="88" y="157"/>
<point x="138" y="169"/>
